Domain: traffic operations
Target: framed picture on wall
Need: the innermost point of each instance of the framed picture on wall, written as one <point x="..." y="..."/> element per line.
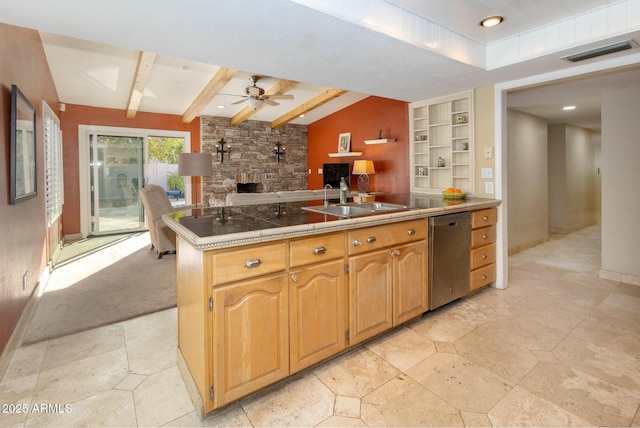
<point x="23" y="148"/>
<point x="344" y="142"/>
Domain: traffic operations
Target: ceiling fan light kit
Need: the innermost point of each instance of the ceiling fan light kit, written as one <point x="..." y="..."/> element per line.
<point x="255" y="96"/>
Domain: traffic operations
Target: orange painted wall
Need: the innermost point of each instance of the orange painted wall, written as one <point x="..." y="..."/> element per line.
<point x="23" y="247"/>
<point x="75" y="115"/>
<point x="363" y="120"/>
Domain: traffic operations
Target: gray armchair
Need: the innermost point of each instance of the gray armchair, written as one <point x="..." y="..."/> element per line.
<point x="156" y="203"/>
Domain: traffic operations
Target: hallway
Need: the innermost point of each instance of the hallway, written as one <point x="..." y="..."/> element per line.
<point x="559" y="347"/>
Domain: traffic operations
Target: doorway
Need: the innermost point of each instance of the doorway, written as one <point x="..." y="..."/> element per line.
<point x="117" y="163"/>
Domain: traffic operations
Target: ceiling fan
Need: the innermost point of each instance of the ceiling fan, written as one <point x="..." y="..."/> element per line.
<point x="255" y="96"/>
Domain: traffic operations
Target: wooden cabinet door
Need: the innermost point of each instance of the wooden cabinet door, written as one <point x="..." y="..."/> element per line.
<point x="370" y="295"/>
<point x="250" y="337"/>
<point x="410" y="289"/>
<point x="316" y="313"/>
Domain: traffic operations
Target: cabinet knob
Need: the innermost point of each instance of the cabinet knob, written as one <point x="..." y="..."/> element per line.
<point x="319" y="250"/>
<point x="294" y="278"/>
<point x="411" y="231"/>
<point x="371" y="239"/>
<point x="485" y="218"/>
<point x="356" y="242"/>
<point x="253" y="263"/>
<point x="394" y="253"/>
<point x="485" y="236"/>
<point x="484" y="256"/>
<point x="484" y="276"/>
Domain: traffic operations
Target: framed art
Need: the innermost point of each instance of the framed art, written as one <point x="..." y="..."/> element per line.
<point x="344" y="142"/>
<point x="23" y="148"/>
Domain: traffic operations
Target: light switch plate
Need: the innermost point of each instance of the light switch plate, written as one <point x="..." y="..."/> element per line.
<point x="488" y="187"/>
<point x="319" y="170"/>
<point x="487" y="172"/>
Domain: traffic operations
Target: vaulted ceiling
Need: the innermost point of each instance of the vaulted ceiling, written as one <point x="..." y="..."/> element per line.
<point x="195" y="57"/>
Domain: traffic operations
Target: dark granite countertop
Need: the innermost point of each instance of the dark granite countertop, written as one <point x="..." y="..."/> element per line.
<point x="221" y="227"/>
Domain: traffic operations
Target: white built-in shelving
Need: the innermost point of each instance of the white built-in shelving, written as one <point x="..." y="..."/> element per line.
<point x="441" y="147"/>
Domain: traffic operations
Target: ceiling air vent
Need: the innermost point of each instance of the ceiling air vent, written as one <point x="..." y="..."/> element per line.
<point x="604" y="50"/>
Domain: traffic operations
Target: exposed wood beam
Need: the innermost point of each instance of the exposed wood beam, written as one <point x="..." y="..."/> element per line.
<point x="143" y="70"/>
<point x="218" y="82"/>
<point x="278" y="89"/>
<point x="313" y="103"/>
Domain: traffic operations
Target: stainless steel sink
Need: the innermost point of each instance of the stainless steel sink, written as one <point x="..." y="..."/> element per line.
<point x="355" y="210"/>
<point x="382" y="206"/>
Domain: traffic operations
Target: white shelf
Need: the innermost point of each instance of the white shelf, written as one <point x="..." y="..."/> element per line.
<point x="344" y="154"/>
<point x="380" y="141"/>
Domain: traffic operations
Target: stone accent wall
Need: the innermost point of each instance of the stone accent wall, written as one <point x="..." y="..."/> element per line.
<point x="252" y="152"/>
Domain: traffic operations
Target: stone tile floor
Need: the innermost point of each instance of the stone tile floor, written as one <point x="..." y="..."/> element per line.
<point x="559" y="347"/>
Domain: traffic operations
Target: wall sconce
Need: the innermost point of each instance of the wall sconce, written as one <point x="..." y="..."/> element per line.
<point x="278" y="150"/>
<point x="220" y="150"/>
<point x="364" y="168"/>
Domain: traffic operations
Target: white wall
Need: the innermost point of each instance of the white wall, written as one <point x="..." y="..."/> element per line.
<point x="573" y="181"/>
<point x="620" y="184"/>
<point x="527" y="178"/>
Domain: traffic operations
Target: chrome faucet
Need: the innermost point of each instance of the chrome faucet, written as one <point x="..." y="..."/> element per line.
<point x="326" y="202"/>
<point x="344" y="188"/>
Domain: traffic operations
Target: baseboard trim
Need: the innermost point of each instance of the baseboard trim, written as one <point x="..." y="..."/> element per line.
<point x="619" y="277"/>
<point x="23" y="323"/>
<point x="527" y="245"/>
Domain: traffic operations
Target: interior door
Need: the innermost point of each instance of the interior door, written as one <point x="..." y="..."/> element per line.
<point x="117" y="166"/>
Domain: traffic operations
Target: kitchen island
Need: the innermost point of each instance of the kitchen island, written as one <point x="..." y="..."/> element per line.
<point x="265" y="291"/>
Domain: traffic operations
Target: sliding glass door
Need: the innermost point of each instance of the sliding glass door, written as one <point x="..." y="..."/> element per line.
<point x="115" y="164"/>
<point x="117" y="171"/>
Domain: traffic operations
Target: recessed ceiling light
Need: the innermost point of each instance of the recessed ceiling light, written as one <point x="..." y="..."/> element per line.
<point x="302" y="115"/>
<point x="569" y="108"/>
<point x="220" y="106"/>
<point x="491" y="21"/>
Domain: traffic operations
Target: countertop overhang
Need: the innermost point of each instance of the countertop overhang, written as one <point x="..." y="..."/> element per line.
<point x="210" y="228"/>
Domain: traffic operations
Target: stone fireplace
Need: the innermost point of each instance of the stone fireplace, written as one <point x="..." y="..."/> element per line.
<point x="251" y="159"/>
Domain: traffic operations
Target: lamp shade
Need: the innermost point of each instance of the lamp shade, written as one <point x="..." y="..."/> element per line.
<point x="363" y="167"/>
<point x="195" y="164"/>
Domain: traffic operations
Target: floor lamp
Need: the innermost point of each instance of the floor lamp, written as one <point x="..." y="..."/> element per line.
<point x="194" y="165"/>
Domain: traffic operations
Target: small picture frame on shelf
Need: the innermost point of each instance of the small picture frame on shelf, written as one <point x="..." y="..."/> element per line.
<point x="344" y="142"/>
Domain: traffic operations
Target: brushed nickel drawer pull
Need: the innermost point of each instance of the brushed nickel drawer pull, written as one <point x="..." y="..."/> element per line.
<point x="485" y="236"/>
<point x="411" y="231"/>
<point x="356" y="242"/>
<point x="294" y="278"/>
<point x="319" y="250"/>
<point x="253" y="263"/>
<point x="371" y="239"/>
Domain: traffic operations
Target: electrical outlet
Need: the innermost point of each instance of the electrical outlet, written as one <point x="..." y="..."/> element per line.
<point x="487" y="172"/>
<point x="488" y="187"/>
<point x="319" y="170"/>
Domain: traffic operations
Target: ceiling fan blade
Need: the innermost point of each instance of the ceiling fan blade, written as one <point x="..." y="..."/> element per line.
<point x="279" y="97"/>
<point x="238" y="102"/>
<point x="271" y="103"/>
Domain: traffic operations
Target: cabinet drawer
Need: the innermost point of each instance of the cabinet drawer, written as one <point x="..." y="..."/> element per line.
<point x="483" y="256"/>
<point x="484" y="236"/>
<point x="482" y="276"/>
<point x="229" y="266"/>
<point x="316" y="249"/>
<point x="372" y="238"/>
<point x="483" y="218"/>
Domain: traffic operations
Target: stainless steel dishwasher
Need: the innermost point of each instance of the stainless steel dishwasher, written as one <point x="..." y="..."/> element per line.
<point x="449" y="243"/>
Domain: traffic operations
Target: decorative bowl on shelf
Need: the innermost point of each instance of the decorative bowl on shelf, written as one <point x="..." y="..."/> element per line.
<point x="454" y="195"/>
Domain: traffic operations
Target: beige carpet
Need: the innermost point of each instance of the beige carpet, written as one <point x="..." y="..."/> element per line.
<point x="118" y="282"/>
